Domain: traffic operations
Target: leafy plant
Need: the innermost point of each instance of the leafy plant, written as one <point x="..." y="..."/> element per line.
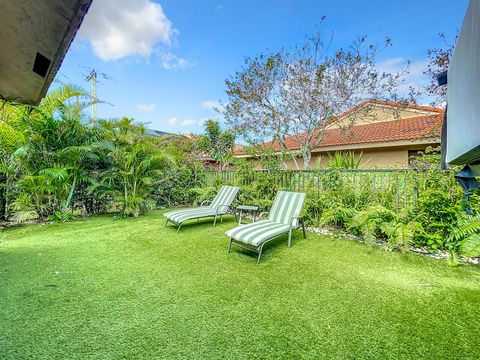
<point x="438" y="215"/>
<point x="137" y="165"/>
<point x="368" y="222"/>
<point x="400" y="234"/>
<point x="466" y="237"/>
<point x="338" y="216"/>
<point x="346" y="160"/>
<point x="217" y="143"/>
<point x="61" y="216"/>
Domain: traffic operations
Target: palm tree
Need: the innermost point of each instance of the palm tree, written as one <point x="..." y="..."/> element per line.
<point x="56" y="152"/>
<point x="10" y="139"/>
<point x="138" y="164"/>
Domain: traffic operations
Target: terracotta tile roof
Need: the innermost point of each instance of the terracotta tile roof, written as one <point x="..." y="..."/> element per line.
<point x="391" y="104"/>
<point x="410" y="129"/>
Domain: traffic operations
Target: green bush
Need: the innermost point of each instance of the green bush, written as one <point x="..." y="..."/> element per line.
<point x="437" y="213"/>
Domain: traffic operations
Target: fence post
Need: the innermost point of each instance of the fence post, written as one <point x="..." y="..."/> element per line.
<point x="397" y="195"/>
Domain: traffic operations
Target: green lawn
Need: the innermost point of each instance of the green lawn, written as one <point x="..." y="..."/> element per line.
<point x="104" y="289"/>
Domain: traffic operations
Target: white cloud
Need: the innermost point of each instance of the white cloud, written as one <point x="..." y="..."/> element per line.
<point x="174" y="121"/>
<point x="210" y="104"/>
<point x="147" y="107"/>
<point x="122" y="28"/>
<point x="170" y="61"/>
<point x="415" y="77"/>
<point x="186" y="122"/>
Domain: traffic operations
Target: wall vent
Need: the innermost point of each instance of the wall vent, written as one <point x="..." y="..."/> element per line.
<point x="41" y="65"/>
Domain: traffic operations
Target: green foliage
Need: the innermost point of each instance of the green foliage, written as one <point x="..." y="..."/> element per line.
<point x="204" y="193"/>
<point x="437" y="214"/>
<point x="401" y="234"/>
<point x="269" y="158"/>
<point x="428" y="159"/>
<point x="137" y="165"/>
<point x="61" y="216"/>
<point x="50" y="161"/>
<point x="369" y="222"/>
<point x="346" y="160"/>
<point x="338" y="216"/>
<point x="217" y="143"/>
<point x="466" y="236"/>
<point x="54" y="160"/>
<point x="315" y="204"/>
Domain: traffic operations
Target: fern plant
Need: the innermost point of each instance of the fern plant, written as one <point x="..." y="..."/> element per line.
<point x="466" y="237"/>
<point x="338" y="216"/>
<point x="368" y="222"/>
<point x="400" y="234"/>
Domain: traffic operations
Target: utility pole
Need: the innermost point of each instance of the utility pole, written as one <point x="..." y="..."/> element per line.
<point x="92" y="77"/>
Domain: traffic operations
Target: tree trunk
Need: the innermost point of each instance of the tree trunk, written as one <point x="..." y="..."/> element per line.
<point x="285" y="149"/>
<point x="307" y="156"/>
<point x="70" y="193"/>
<point x="3" y="199"/>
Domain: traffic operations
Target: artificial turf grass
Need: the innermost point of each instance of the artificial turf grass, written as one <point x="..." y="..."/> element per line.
<point x="130" y="288"/>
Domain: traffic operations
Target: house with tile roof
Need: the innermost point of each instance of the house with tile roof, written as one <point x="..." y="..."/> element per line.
<point x="388" y="135"/>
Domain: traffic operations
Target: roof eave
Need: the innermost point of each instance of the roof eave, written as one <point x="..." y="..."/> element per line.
<point x="76" y="21"/>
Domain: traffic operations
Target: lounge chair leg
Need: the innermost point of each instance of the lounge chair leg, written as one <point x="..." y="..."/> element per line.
<point x="221" y="219"/>
<point x="289" y="237"/>
<point x="304" y="232"/>
<point x="215" y="220"/>
<point x="229" y="246"/>
<point x="166" y="222"/>
<point x="259" y="253"/>
<point x="178" y="229"/>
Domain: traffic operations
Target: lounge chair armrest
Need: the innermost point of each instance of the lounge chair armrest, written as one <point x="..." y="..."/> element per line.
<point x="262" y="214"/>
<point x="219" y="207"/>
<point x="205" y="202"/>
<point x="298" y="220"/>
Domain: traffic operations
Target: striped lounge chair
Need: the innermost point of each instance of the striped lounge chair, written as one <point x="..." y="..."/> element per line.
<point x="218" y="207"/>
<point x="283" y="218"/>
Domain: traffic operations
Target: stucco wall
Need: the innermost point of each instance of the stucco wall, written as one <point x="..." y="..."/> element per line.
<point x="371" y="158"/>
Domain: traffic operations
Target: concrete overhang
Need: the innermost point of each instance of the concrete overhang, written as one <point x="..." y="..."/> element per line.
<point x="34" y="38"/>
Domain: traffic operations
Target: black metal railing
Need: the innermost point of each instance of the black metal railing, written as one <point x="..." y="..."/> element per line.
<point x="398" y="186"/>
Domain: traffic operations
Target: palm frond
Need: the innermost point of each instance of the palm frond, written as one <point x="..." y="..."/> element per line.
<point x="471" y="245"/>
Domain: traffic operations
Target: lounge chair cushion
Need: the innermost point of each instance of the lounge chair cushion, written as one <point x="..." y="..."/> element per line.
<point x="179" y="216"/>
<point x="258" y="232"/>
<point x="219" y="206"/>
<point x="225" y="196"/>
<point x="287" y="206"/>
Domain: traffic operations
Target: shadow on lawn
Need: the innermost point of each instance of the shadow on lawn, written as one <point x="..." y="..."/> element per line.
<point x="206" y="224"/>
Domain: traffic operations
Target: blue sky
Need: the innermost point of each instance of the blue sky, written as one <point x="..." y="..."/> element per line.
<point x="167" y="60"/>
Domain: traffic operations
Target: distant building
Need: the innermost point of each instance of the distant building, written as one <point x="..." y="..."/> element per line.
<point x="159" y="133"/>
<point x="388" y="134"/>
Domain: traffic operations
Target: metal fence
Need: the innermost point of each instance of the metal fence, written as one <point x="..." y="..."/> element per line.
<point x="397" y="187"/>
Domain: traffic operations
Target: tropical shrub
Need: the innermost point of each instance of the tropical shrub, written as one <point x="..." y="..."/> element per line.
<point x="337" y="216"/>
<point x="438" y="214"/>
<point x="55" y="154"/>
<point x="137" y="166"/>
<point x="368" y="223"/>
<point x="465" y="238"/>
<point x="401" y="230"/>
